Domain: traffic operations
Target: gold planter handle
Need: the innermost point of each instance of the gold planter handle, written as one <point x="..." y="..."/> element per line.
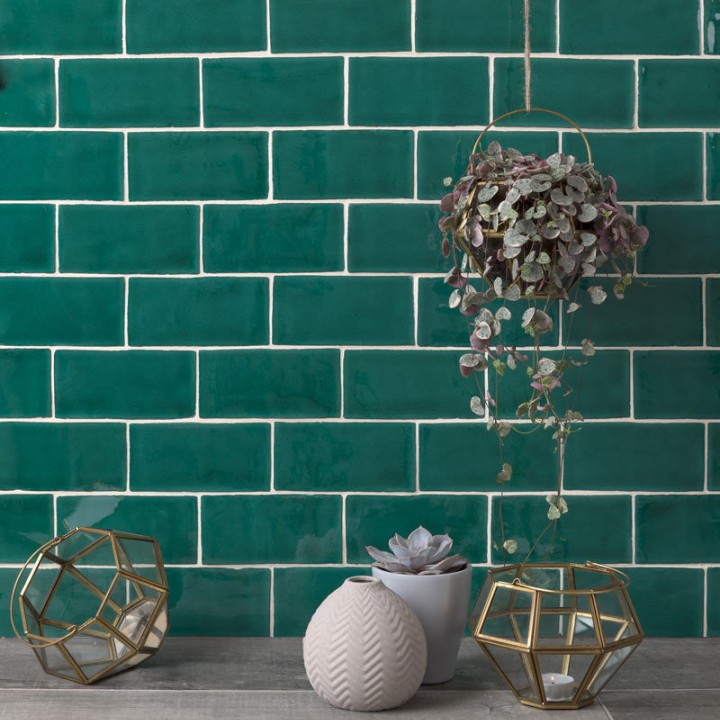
<point x="529" y="110"/>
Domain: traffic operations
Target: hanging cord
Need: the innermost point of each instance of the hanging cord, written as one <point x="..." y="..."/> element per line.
<point x="528" y="68"/>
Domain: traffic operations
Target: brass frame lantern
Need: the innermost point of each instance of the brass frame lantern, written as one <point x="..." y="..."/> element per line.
<point x="93" y="603"/>
<point x="556" y="632"/>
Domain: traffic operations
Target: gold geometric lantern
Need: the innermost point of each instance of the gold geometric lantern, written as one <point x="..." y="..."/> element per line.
<point x="556" y="632"/>
<point x="93" y="603"/>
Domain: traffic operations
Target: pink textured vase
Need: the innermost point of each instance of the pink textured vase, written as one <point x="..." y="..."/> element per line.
<point x="364" y="648"/>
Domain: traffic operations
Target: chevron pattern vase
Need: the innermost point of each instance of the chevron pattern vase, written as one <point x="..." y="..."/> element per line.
<point x="364" y="648"/>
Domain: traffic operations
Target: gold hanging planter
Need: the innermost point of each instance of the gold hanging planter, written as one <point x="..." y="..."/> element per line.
<point x="556" y="632"/>
<point x="474" y="255"/>
<point x="93" y="603"/>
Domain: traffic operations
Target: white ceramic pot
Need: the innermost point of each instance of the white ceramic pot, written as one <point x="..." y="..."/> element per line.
<point x="441" y="603"/>
<point x="364" y="648"/>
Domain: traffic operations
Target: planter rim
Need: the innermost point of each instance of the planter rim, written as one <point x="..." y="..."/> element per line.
<point x="426" y="578"/>
<point x="618" y="578"/>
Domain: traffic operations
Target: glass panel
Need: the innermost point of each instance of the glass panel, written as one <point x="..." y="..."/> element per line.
<point x="55" y="662"/>
<point x="138" y="557"/>
<point x="584" y="578"/>
<point x="134" y="621"/>
<point x="615" y="617"/>
<point x="562" y="674"/>
<point x="518" y="670"/>
<point x="609" y="665"/>
<point x="160" y="627"/>
<point x="509" y="614"/>
<point x="92" y="649"/>
<point x="120" y="592"/>
<point x="566" y="619"/>
<point x="86" y="548"/>
<point x="41" y="582"/>
<point x="72" y="602"/>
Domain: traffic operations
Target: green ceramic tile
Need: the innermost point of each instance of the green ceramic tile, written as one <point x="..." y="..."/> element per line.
<point x="714" y="456"/>
<point x="418" y="91"/>
<point x="27" y="238"/>
<point x="62" y="456"/>
<point x="695" y="224"/>
<point x="129" y="93"/>
<point x="644" y="27"/>
<point x="595" y="528"/>
<point x="712" y="302"/>
<point x="673" y="93"/>
<point x="601" y="388"/>
<point x="640" y="161"/>
<point x="442" y="326"/>
<point x="270" y="383"/>
<point x="711" y="31"/>
<point x="713" y="166"/>
<point x="199" y="457"/>
<point x="445" y="154"/>
<point x="343" y="164"/>
<point x="319" y="310"/>
<point x="28" y="93"/>
<point x="394" y="238"/>
<point x="271" y="529"/>
<point x="202" y="166"/>
<point x="679" y="384"/>
<point x="345" y="456"/>
<point x="305" y="238"/>
<point x="203" y="311"/>
<point x="277" y="91"/>
<point x="472" y="26"/>
<point x="636" y="456"/>
<point x="668" y="601"/>
<point x="27" y="523"/>
<point x="189" y="26"/>
<point x="61" y="311"/>
<point x="67" y="27"/>
<point x="339" y="25"/>
<point x="677" y="528"/>
<point x="374" y="519"/>
<point x="405" y="384"/>
<point x="713" y="602"/>
<point x="239" y="607"/>
<point x="24" y="383"/>
<point x="61" y="165"/>
<point x="307" y="587"/>
<point x="147" y="239"/>
<point x="657" y="312"/>
<point x="125" y="384"/>
<point x="172" y="521"/>
<point x="594" y="93"/>
<point x="444" y="448"/>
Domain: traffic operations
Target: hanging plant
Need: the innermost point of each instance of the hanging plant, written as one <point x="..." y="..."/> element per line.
<point x="529" y="228"/>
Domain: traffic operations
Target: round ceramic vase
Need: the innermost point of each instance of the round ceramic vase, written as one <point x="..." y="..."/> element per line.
<point x="364" y="648"/>
<point x="441" y="602"/>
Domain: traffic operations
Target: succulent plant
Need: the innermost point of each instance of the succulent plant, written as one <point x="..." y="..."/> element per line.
<point x="421" y="553"/>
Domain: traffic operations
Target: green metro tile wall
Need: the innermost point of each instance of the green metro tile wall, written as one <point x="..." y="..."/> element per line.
<point x="223" y="320"/>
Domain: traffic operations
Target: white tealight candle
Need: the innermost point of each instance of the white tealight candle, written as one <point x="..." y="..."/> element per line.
<point x="558" y="688"/>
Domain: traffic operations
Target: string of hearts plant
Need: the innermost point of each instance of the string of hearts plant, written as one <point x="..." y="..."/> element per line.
<point x="529" y="229"/>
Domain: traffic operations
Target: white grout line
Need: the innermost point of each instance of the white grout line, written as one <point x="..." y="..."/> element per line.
<point x="126" y="169"/>
<point x="346" y="92"/>
<point x="706" y="456"/>
<point x="52" y="383"/>
<point x="417" y="457"/>
<point x="123" y="26"/>
<point x="342" y="384"/>
<point x="272" y="456"/>
<point x="126" y="313"/>
<point x="54" y="520"/>
<point x="201" y="239"/>
<point x="271" y="309"/>
<point x="268" y="27"/>
<point x="127" y="457"/>
<point x="415" y="164"/>
<point x="701" y="25"/>
<point x="633" y="527"/>
<point x="56" y="238"/>
<point x="557" y="27"/>
<point x="346" y="236"/>
<point x="703" y="305"/>
<point x="413" y="24"/>
<point x="632" y="384"/>
<point x="491" y="88"/>
<point x="636" y="100"/>
<point x="343" y="529"/>
<point x="56" y="73"/>
<point x="705" y="603"/>
<point x="197" y="385"/>
<point x="199" y="530"/>
<point x="271" y="171"/>
<point x="201" y="93"/>
<point x="271" y="611"/>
